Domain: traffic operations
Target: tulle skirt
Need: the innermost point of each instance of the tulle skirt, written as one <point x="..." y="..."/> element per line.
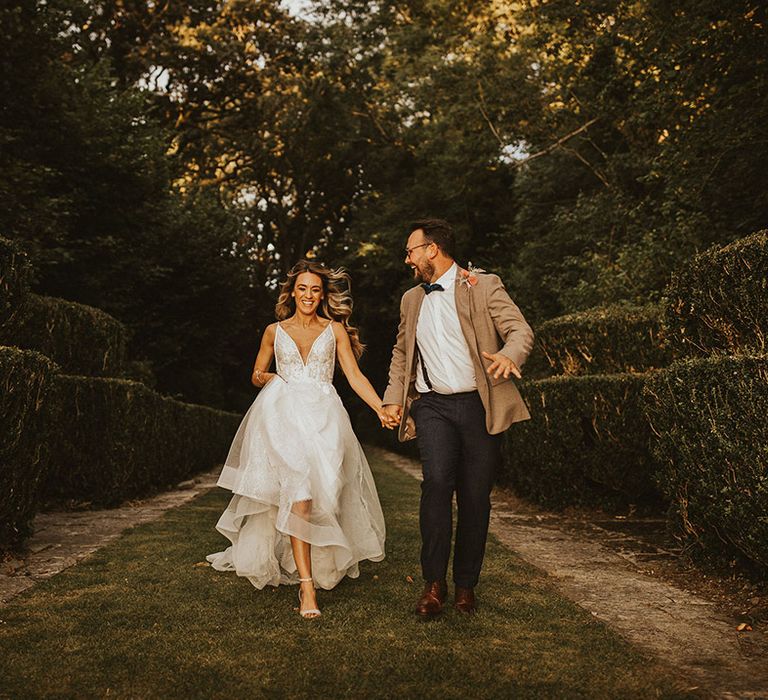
<point x="296" y="469"/>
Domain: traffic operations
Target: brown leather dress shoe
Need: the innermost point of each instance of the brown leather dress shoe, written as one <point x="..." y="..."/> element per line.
<point x="432" y="599"/>
<point x="464" y="600"/>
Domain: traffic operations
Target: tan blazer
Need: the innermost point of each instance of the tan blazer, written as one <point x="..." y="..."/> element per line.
<point x="491" y="322"/>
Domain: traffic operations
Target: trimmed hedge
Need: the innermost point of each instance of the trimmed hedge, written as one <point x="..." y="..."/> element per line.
<point x="709" y="418"/>
<point x="15" y="277"/>
<point x="84" y="437"/>
<point x="718" y="303"/>
<point x="25" y="383"/>
<point x="587" y="443"/>
<point x="603" y="340"/>
<point x="117" y="439"/>
<point x="80" y="339"/>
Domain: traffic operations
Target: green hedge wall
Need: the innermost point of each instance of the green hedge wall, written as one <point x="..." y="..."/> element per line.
<point x="84" y="437"/>
<point x="603" y="340"/>
<point x="117" y="439"/>
<point x="709" y="418"/>
<point x="587" y="443"/>
<point x="25" y="384"/>
<point x="15" y="277"/>
<point x="718" y="303"/>
<point x="79" y="338"/>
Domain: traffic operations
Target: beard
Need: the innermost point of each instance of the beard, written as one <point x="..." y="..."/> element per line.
<point x="424" y="272"/>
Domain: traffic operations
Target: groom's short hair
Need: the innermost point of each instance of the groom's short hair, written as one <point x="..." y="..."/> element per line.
<point x="437" y="231"/>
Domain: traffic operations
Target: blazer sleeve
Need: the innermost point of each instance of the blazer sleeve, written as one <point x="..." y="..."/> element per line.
<point x="395" y="389"/>
<point x="510" y="323"/>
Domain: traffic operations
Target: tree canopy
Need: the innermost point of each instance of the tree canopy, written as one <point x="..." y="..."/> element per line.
<point x="169" y="161"/>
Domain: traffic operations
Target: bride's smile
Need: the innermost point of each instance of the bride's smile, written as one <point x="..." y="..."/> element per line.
<point x="308" y="293"/>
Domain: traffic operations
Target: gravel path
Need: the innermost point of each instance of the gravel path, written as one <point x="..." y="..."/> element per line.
<point x="63" y="538"/>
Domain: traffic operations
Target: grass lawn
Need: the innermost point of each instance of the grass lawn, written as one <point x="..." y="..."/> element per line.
<point x="139" y="619"/>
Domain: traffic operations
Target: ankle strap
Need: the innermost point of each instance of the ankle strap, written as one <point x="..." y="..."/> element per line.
<point x="305" y="579"/>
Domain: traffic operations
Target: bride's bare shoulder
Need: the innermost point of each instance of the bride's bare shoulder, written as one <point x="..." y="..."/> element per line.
<point x="269" y="332"/>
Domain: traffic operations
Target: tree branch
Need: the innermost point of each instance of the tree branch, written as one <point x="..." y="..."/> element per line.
<point x="481" y="104"/>
<point x="589" y="165"/>
<point x="556" y="144"/>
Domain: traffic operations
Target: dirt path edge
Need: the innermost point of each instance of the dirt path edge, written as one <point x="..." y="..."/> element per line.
<point x="62" y="538"/>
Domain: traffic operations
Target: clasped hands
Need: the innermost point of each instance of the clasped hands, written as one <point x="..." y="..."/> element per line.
<point x="390" y="416"/>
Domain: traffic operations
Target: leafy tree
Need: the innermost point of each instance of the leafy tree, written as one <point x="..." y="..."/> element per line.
<point x="88" y="186"/>
<point x="188" y="153"/>
<point x="672" y="163"/>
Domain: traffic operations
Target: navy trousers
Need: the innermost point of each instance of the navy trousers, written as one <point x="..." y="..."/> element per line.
<point x="457" y="455"/>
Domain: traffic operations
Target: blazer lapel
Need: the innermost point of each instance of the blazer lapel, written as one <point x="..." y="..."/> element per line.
<point x="413" y="315"/>
<point x="410" y="334"/>
<point x="461" y="295"/>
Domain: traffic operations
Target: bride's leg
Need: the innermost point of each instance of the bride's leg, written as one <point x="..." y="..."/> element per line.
<point x="302" y="555"/>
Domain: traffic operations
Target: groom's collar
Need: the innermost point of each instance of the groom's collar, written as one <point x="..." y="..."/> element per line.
<point x="447" y="279"/>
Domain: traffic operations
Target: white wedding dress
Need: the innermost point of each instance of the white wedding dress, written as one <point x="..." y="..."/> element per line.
<point x="295" y="452"/>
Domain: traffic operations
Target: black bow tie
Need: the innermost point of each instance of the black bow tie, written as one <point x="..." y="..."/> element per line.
<point x="429" y="288"/>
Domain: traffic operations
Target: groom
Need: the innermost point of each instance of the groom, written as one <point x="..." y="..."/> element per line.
<point x="460" y="341"/>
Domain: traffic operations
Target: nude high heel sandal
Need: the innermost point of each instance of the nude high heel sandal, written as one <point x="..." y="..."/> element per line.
<point x="312" y="613"/>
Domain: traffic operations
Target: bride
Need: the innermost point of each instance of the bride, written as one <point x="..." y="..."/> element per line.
<point x="305" y="508"/>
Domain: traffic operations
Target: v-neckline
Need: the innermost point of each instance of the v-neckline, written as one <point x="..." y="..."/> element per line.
<point x="296" y="345"/>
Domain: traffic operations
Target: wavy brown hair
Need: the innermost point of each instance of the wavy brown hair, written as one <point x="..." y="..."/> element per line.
<point x="336" y="304"/>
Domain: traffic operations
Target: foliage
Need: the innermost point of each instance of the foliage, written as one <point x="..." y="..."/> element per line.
<point x="92" y="439"/>
<point x="430" y="82"/>
<point x="587" y="443"/>
<point x="169" y="161"/>
<point x="87" y="186"/>
<point x="718" y="302"/>
<point x="25" y="385"/>
<point x="15" y="275"/>
<point x="80" y="339"/>
<point x="671" y="161"/>
<point x="261" y="119"/>
<point x="604" y="340"/>
<point x="711" y="443"/>
<point x="116" y="439"/>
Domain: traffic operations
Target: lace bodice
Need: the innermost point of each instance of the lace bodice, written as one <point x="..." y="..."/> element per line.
<point x="320" y="361"/>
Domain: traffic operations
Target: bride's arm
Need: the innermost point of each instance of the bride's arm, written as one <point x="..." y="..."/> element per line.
<point x="260" y="376"/>
<point x="357" y="380"/>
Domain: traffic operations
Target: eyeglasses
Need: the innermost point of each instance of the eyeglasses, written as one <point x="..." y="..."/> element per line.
<point x="408" y="251"/>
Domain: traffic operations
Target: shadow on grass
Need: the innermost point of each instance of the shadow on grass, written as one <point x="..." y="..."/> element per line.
<point x="140" y="619"/>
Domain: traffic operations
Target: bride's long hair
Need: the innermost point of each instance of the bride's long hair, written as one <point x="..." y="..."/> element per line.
<point x="336" y="304"/>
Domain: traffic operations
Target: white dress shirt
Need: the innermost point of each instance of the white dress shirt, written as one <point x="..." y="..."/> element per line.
<point x="442" y="343"/>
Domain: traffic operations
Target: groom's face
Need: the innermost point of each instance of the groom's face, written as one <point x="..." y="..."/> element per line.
<point x="418" y="256"/>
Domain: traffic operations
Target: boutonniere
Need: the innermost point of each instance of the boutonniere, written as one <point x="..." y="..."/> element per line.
<point x="468" y="277"/>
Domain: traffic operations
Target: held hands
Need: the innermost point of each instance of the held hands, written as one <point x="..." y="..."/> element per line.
<point x="501" y="365"/>
<point x="390" y="415"/>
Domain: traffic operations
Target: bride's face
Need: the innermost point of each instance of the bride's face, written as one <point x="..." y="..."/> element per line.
<point x="307" y="292"/>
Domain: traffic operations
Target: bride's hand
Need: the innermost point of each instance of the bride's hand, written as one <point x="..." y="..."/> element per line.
<point x="264" y="378"/>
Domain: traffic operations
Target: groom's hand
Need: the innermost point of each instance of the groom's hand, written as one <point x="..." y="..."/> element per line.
<point x="392" y="414"/>
<point x="501" y="364"/>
